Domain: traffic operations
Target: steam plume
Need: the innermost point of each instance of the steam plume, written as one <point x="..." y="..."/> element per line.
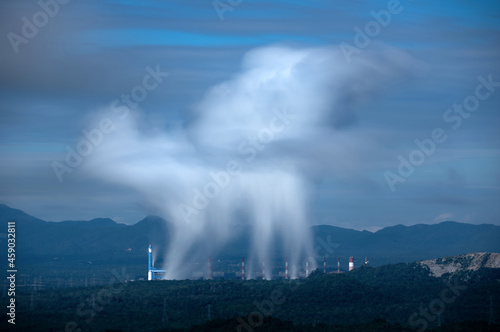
<point x="253" y="146"/>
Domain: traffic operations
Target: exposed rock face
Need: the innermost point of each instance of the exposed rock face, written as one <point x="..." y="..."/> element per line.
<point x="467" y="262"/>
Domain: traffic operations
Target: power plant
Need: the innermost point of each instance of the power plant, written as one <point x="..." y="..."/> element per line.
<point x="267" y="274"/>
<point x="153" y="273"/>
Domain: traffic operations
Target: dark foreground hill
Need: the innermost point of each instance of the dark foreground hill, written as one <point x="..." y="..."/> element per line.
<point x="398" y="297"/>
<point x="103" y="241"/>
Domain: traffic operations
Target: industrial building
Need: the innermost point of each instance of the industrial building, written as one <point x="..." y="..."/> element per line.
<point x="155" y="273"/>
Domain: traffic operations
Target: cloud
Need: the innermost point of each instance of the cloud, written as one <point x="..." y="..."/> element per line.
<point x="252" y="146"/>
<point x="443" y="217"/>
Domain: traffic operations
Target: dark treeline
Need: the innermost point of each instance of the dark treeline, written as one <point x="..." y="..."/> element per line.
<point x="399" y="297"/>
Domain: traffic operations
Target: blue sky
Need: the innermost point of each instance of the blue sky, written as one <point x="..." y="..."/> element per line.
<point x="91" y="52"/>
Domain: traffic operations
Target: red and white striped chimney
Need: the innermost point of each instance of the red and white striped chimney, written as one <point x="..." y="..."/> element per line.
<point x="324" y="265"/>
<point x="338" y="265"/>
<point x="286" y="268"/>
<point x="307" y="267"/>
<point x="243" y="268"/>
<point x="210" y="271"/>
<point x="351" y="263"/>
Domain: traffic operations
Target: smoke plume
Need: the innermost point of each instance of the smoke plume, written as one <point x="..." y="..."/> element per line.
<point x="251" y="149"/>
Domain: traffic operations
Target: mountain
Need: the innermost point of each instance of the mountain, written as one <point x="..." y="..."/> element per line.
<point x="462" y="263"/>
<point x="25" y="220"/>
<point x="104" y="241"/>
<point x="406" y="243"/>
<point x="97" y="240"/>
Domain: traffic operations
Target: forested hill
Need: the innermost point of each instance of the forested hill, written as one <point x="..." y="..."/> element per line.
<point x="398" y="297"/>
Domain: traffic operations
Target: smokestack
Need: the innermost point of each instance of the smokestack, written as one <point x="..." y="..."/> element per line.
<point x="366" y="260"/>
<point x="243" y="268"/>
<point x="263" y="270"/>
<point x="150" y="266"/>
<point x="210" y="271"/>
<point x="286" y="268"/>
<point x="351" y="263"/>
<point x="324" y="264"/>
<point x="307" y="267"/>
<point x="338" y="265"/>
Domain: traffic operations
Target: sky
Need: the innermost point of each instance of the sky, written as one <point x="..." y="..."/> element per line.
<point x="396" y="102"/>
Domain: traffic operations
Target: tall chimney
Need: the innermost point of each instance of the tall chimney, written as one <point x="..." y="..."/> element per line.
<point x="243" y="268"/>
<point x="366" y="260"/>
<point x="324" y="264"/>
<point x="150" y="266"/>
<point x="338" y="265"/>
<point x="210" y="271"/>
<point x="263" y="270"/>
<point x="307" y="267"/>
<point x="286" y="268"/>
<point x="351" y="263"/>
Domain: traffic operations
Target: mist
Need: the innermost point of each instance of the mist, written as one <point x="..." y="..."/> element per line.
<point x="253" y="147"/>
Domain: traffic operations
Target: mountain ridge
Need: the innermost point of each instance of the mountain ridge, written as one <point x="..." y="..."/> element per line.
<point x="5" y="207"/>
<point x="88" y="240"/>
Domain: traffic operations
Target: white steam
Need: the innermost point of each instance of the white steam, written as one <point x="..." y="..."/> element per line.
<point x="251" y="149"/>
